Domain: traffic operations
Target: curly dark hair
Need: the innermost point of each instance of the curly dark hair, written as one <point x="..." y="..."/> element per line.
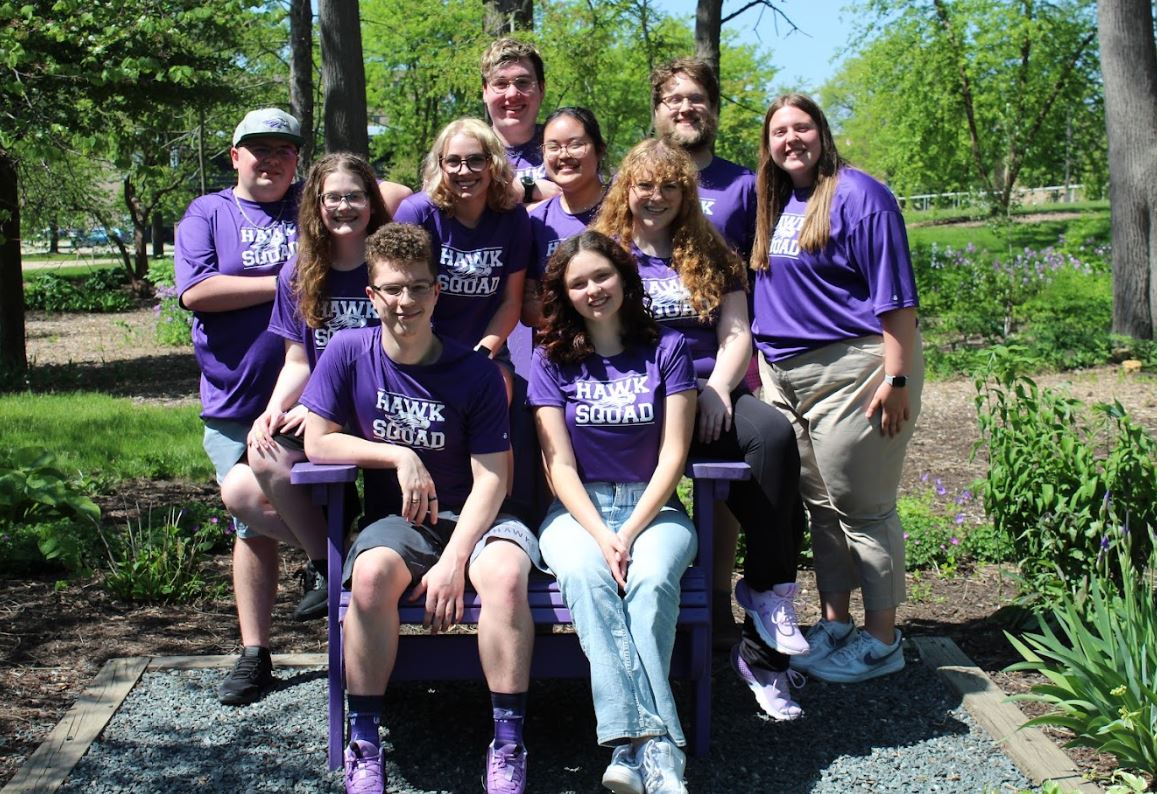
<point x="563" y="333"/>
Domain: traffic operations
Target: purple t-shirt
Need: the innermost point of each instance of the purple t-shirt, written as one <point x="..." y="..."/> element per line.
<point x="727" y="194"/>
<point x="614" y="406"/>
<point x="222" y="234"/>
<point x="526" y="158"/>
<point x="445" y="412"/>
<point x="345" y="306"/>
<point x="671" y="306"/>
<point x="550" y="224"/>
<point x="805" y="301"/>
<point x="473" y="264"/>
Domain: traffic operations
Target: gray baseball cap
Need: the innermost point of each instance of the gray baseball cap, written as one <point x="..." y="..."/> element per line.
<point x="268" y="123"/>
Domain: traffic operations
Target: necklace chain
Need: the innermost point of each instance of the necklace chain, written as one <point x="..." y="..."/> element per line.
<point x="255" y="224"/>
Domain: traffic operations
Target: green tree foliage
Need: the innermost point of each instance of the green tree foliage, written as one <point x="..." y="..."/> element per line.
<point x="979" y="95"/>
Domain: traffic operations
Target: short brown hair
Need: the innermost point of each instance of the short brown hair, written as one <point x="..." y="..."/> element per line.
<point x="401" y="243"/>
<point x="508" y="50"/>
<point x="696" y="68"/>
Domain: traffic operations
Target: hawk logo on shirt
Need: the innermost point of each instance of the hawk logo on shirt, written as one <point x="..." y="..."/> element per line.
<point x="470" y="272"/>
<point x="613" y="402"/>
<point x="341" y="314"/>
<point x="268" y="245"/>
<point x="785" y="240"/>
<point x="669" y="298"/>
<point x="410" y="421"/>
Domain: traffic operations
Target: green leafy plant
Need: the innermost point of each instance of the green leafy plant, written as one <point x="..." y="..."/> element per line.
<point x="1101" y="657"/>
<point x="943" y="531"/>
<point x="100" y="291"/>
<point x="1051" y="465"/>
<point x="160" y="563"/>
<point x="46" y="512"/>
<point x="174" y="323"/>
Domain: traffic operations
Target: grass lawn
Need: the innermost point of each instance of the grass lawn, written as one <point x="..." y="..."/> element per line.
<point x="110" y="438"/>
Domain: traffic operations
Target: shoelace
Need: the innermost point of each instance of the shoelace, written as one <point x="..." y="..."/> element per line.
<point x="248" y="666"/>
<point x="796" y="679"/>
<point x="502" y="763"/>
<point x="784" y="616"/>
<point x="310" y="579"/>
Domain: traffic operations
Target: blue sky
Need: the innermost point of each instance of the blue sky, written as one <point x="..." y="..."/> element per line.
<point x="804" y="57"/>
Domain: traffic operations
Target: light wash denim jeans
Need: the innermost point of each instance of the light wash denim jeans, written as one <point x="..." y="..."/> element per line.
<point x="627" y="638"/>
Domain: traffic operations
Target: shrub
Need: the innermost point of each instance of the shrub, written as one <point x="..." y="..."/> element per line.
<point x="1100" y="659"/>
<point x="160" y="563"/>
<point x="1051" y="468"/>
<point x="941" y="530"/>
<point x="100" y="291"/>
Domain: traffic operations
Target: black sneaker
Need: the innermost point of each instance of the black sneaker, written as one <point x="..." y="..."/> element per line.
<point x="250" y="678"/>
<point x="314" y="603"/>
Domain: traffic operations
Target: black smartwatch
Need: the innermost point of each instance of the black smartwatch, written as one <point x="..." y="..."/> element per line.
<point x="483" y="349"/>
<point x="896" y="381"/>
<point x="527" y="189"/>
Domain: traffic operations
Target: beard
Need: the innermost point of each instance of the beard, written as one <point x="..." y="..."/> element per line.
<point x="703" y="137"/>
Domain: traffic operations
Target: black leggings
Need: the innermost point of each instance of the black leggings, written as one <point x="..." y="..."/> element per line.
<point x="768" y="507"/>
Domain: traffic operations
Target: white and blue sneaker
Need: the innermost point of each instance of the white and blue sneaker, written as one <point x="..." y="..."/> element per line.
<point x="824" y="638"/>
<point x="624" y="774"/>
<point x="863" y="658"/>
<point x="663" y="765"/>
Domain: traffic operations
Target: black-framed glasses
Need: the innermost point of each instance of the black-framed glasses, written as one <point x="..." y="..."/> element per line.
<point x="675" y="101"/>
<point x="474" y="162"/>
<point x="417" y="290"/>
<point x="575" y="148"/>
<point x="523" y="85"/>
<point x="355" y="198"/>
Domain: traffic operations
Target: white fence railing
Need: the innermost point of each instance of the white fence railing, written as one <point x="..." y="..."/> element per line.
<point x="1025" y="196"/>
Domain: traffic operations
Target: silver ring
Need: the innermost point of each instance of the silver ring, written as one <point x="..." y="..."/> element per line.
<point x="433" y="498"/>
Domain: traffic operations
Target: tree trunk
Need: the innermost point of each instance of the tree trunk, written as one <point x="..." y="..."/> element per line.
<point x="343" y="77"/>
<point x="503" y="17"/>
<point x="158" y="235"/>
<point x="708" y="22"/>
<point x="13" y="358"/>
<point x="53" y="237"/>
<point x="1129" y="69"/>
<point x="301" y="76"/>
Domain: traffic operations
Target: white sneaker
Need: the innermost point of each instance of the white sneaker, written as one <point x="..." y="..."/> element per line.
<point x="773" y="612"/>
<point x="824" y="638"/>
<point x="771" y="689"/>
<point x="863" y="658"/>
<point x="623" y="775"/>
<point x="663" y="765"/>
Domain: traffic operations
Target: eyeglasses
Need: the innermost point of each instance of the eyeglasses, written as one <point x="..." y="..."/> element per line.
<point x="650" y="188"/>
<point x="355" y="198"/>
<point x="417" y="290"/>
<point x="675" y="101"/>
<point x="265" y="152"/>
<point x="452" y="163"/>
<point x="523" y="85"/>
<point x="570" y="148"/>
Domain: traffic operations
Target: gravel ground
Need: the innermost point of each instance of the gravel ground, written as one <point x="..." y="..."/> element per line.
<point x="902" y="733"/>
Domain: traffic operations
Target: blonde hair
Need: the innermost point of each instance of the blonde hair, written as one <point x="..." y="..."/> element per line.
<point x="705" y="264"/>
<point x="773" y="186"/>
<point x="498" y="196"/>
<point x="507" y="50"/>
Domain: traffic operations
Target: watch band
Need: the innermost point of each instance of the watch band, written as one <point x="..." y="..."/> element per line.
<point x="896" y="381"/>
<point x="527" y="189"/>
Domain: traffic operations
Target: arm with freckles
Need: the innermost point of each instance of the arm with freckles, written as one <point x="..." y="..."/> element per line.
<point x="899" y="351"/>
<point x="678" y="422"/>
<point x="562" y="470"/>
<point x="733" y="333"/>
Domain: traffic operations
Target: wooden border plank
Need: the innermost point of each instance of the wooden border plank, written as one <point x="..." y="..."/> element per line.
<point x="1029" y="748"/>
<point x="228" y="660"/>
<point x="50" y="764"/>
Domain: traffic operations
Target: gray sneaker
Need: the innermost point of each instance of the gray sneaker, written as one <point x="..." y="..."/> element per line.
<point x="824" y="638"/>
<point x="663" y="765"/>
<point x="624" y="774"/>
<point x="863" y="658"/>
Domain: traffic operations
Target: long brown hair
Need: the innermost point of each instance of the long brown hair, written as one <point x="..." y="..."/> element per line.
<point x="773" y="186"/>
<point x="699" y="254"/>
<point x="498" y="195"/>
<point x="563" y="333"/>
<point x="313" y="239"/>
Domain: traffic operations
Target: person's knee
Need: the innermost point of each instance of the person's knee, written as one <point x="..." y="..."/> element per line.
<point x="499" y="574"/>
<point x="379" y="578"/>
<point x="240" y="491"/>
<point x="271" y="464"/>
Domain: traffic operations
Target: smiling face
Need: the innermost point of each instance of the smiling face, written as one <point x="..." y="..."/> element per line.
<point x="464" y="183"/>
<point x="404" y="295"/>
<point x="793" y="142"/>
<point x="684" y="115"/>
<point x="350" y="214"/>
<point x="265" y="168"/>
<point x="594" y="287"/>
<point x="654" y="203"/>
<point x="571" y="160"/>
<point x="513" y="96"/>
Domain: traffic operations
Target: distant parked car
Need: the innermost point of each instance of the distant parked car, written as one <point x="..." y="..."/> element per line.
<point x="97" y="236"/>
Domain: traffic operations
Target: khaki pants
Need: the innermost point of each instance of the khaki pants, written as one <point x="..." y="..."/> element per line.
<point x="850" y="473"/>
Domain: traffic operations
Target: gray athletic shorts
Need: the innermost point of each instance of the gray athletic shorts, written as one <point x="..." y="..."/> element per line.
<point x="421" y="545"/>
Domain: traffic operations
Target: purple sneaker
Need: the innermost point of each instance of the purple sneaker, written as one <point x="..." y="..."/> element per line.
<point x="505" y="769"/>
<point x="365" y="768"/>
<point x="773" y="612"/>
<point x="770" y="688"/>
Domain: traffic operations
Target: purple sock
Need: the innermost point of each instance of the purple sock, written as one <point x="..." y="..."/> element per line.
<point x="365" y="715"/>
<point x="509" y="712"/>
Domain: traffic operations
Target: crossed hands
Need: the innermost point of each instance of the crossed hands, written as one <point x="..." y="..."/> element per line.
<point x="272" y="422"/>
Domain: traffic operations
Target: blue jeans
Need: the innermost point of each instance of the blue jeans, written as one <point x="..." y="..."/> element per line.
<point x="627" y="638"/>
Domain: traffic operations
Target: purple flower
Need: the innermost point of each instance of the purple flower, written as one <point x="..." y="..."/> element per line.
<point x="959" y="519"/>
<point x="1104" y="542"/>
<point x="940" y="489"/>
<point x="924" y="477"/>
<point x="905" y="536"/>
<point x="213" y="520"/>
